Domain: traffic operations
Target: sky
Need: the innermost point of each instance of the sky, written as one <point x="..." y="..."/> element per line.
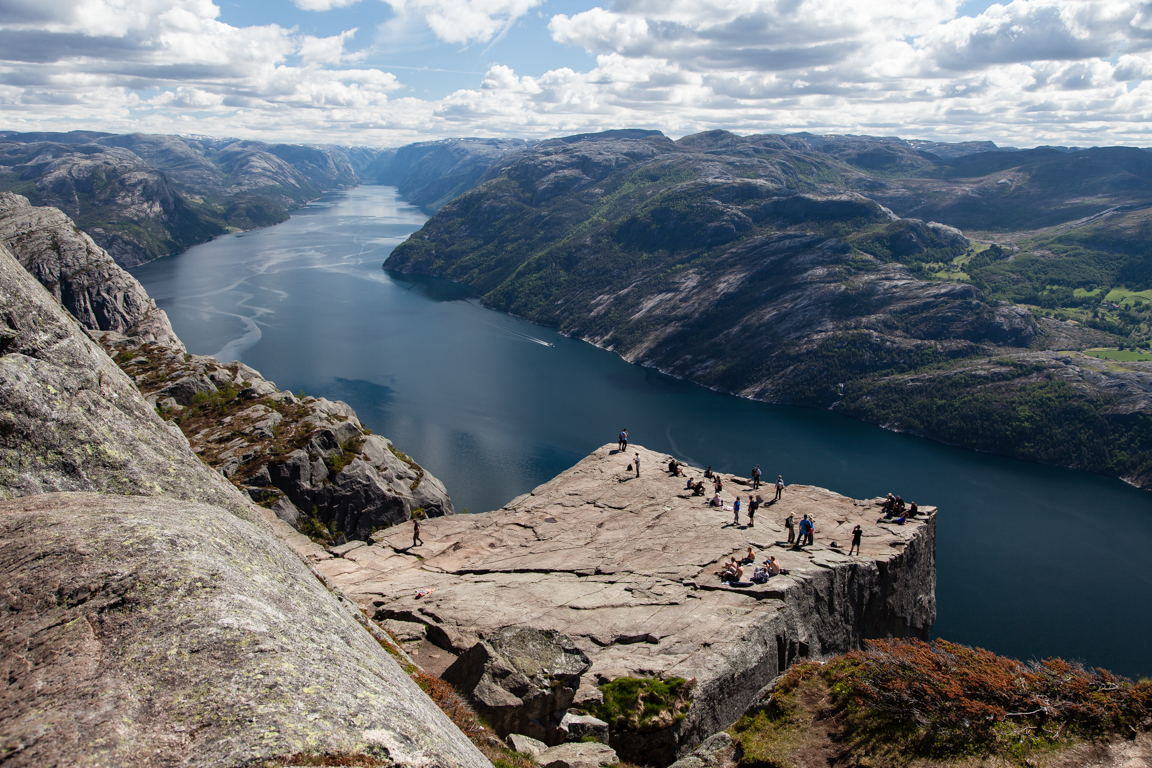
<point x="390" y="72"/>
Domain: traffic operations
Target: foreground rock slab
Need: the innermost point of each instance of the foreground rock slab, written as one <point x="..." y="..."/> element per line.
<point x="148" y="631"/>
<point x="625" y="566"/>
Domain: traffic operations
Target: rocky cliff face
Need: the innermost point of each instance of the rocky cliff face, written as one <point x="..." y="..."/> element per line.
<point x="152" y="631"/>
<point x="308" y="459"/>
<point x="70" y="420"/>
<point x="151" y="615"/>
<point x="80" y="275"/>
<point x="626" y="566"/>
<point x="765" y="266"/>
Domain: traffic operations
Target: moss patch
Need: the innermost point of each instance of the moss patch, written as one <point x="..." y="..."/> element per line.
<point x="640" y="704"/>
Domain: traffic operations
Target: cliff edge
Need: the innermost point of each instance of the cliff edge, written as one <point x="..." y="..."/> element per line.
<point x="624" y="565"/>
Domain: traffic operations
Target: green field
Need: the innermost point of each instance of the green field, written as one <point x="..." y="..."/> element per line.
<point x="1124" y="356"/>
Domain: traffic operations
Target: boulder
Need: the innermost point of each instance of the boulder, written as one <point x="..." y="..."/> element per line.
<point x="715" y="752"/>
<point x="521" y="680"/>
<point x="526" y="745"/>
<point x="578" y="727"/>
<point x="586" y="755"/>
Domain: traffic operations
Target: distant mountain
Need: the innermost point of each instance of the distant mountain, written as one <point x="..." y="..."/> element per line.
<point x="143" y="196"/>
<point x="431" y="173"/>
<point x="800" y="269"/>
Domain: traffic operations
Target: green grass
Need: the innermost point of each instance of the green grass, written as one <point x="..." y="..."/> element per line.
<point x="640" y="704"/>
<point x="1123" y="355"/>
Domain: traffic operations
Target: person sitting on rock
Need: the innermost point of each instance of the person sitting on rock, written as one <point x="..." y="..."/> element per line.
<point x="716" y="502"/>
<point x="708" y="472"/>
<point x="899" y="506"/>
<point x="913" y="510"/>
<point x="717" y="483"/>
<point x="773" y="566"/>
<point x="749" y="558"/>
<point x="699" y="489"/>
<point x="691" y="484"/>
<point x="761" y="575"/>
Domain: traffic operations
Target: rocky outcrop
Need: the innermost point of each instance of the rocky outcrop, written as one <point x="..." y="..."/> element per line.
<point x="71" y="420"/>
<point x="626" y="567"/>
<point x="154" y="618"/>
<point x="80" y="274"/>
<point x="521" y="680"/>
<point x="150" y="631"/>
<point x="308" y="459"/>
<point x="585" y="755"/>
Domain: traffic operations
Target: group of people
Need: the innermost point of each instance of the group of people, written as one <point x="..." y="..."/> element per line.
<point x="733" y="571"/>
<point x="896" y="511"/>
<point x="806" y="527"/>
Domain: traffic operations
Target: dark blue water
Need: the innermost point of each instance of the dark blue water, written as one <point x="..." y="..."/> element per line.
<point x="1034" y="561"/>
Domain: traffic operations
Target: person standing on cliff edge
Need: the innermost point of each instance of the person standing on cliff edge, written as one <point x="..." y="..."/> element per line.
<point x="637" y="465"/>
<point x="779" y="487"/>
<point x="416" y="532"/>
<point x="756" y="477"/>
<point x="857" y="533"/>
<point x="623" y="440"/>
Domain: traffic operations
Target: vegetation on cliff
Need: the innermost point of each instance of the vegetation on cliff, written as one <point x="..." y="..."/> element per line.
<point x="642" y="704"/>
<point x="899" y="700"/>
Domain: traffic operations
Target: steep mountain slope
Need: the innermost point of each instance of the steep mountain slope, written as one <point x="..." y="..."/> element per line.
<point x="143" y="196"/>
<point x="431" y="173"/>
<point x="763" y="266"/>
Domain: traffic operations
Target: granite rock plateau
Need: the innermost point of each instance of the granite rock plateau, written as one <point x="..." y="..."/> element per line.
<point x="789" y="269"/>
<point x="625" y="566"/>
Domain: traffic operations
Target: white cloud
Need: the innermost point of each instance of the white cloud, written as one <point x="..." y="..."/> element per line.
<point x="1027" y="72"/>
<point x="322" y="5"/>
<point x="464" y="21"/>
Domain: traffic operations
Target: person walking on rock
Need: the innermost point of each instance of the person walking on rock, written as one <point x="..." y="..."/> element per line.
<point x="779" y="486"/>
<point x="753" y="505"/>
<point x="736" y="511"/>
<point x="790" y="524"/>
<point x="756" y="477"/>
<point x="416" y="532"/>
<point x="637" y="465"/>
<point x="623" y="440"/>
<point x="857" y="533"/>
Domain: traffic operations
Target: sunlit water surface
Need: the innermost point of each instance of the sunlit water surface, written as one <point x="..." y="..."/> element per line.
<point x="1033" y="561"/>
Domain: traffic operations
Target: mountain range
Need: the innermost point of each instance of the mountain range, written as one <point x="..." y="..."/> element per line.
<point x="946" y="293"/>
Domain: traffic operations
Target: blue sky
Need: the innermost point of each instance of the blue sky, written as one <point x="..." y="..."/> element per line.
<point x="388" y="72"/>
